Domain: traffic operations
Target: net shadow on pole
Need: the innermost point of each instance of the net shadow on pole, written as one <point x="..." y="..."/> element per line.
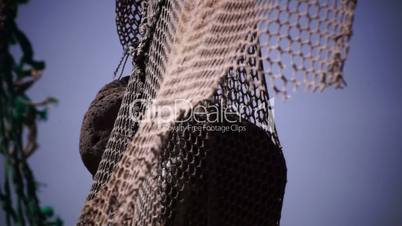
<point x="178" y="167"/>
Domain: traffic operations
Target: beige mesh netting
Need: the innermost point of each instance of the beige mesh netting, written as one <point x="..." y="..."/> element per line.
<point x="164" y="167"/>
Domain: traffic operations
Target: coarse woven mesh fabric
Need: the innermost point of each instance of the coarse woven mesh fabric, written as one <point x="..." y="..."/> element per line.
<point x="218" y="54"/>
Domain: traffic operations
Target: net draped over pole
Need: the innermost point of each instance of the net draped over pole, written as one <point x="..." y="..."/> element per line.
<point x="215" y="54"/>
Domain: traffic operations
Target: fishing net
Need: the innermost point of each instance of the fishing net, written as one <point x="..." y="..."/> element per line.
<point x="193" y="165"/>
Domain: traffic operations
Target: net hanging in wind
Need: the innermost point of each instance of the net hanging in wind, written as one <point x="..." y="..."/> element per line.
<point x="164" y="167"/>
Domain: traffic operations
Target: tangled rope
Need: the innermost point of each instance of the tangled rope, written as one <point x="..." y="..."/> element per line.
<point x="18" y="117"/>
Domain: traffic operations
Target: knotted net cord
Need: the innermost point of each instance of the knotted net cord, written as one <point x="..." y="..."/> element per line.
<point x="19" y="115"/>
<point x="213" y="53"/>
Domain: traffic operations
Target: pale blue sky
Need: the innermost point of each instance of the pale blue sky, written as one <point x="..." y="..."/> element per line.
<point x="343" y="148"/>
